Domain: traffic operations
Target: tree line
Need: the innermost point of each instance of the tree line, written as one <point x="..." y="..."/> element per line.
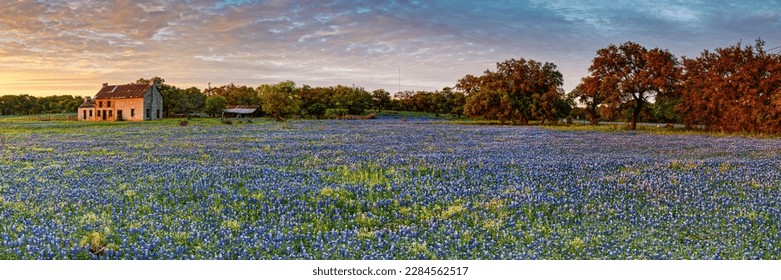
<point x="31" y="105"/>
<point x="286" y="99"/>
<point x="730" y="89"/>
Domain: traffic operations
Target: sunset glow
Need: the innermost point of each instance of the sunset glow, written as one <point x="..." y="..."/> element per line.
<point x="72" y="47"/>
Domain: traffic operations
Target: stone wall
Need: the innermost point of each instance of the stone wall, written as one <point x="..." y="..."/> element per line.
<point x="86" y="114"/>
<point x="153" y="101"/>
<point x="128" y="109"/>
<point x="150" y="107"/>
<point x="131" y="108"/>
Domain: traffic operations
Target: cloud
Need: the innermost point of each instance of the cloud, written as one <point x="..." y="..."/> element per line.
<point x="362" y="42"/>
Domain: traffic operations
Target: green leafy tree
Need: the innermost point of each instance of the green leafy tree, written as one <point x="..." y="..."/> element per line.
<point x="177" y="100"/>
<point x="215" y="105"/>
<point x="489" y="104"/>
<point x="381" y="99"/>
<point x="355" y="100"/>
<point x="189" y="101"/>
<point x="455" y="101"/>
<point x="280" y="100"/>
<point x="422" y="102"/>
<point x="404" y="101"/>
<point x="551" y="106"/>
<point x="314" y="101"/>
<point x="664" y="109"/>
<point x="527" y="88"/>
<point x="316" y="110"/>
<point x="438" y="103"/>
<point x="237" y="95"/>
<point x="29" y="105"/>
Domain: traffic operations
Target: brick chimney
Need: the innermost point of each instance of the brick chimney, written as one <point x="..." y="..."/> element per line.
<point x="105" y="84"/>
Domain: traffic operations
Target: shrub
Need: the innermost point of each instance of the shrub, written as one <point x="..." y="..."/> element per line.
<point x="335" y="113"/>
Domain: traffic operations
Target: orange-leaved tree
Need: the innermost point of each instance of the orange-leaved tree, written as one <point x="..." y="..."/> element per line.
<point x="733" y="89"/>
<point x="519" y="89"/>
<point x="590" y="93"/>
<point x="630" y="74"/>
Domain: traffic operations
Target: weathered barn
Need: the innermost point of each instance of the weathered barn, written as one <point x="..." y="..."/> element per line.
<point x="130" y="102"/>
<point x="249" y="111"/>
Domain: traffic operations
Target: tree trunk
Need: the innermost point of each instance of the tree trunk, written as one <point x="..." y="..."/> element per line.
<point x="592" y="118"/>
<point x="524" y="120"/>
<point x="635" y="116"/>
<point x="592" y="115"/>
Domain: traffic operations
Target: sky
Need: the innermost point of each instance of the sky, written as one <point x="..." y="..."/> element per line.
<point x="73" y="46"/>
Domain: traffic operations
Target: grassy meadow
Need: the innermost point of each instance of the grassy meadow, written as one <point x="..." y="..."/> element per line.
<point x="390" y="188"/>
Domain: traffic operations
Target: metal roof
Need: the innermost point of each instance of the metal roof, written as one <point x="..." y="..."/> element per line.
<point x="123" y="91"/>
<point x="240" y="111"/>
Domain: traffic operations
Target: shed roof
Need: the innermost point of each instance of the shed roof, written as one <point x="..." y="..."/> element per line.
<point x="123" y="91"/>
<point x="241" y="109"/>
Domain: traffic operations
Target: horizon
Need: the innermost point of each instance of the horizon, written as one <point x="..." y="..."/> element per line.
<point x="73" y="47"/>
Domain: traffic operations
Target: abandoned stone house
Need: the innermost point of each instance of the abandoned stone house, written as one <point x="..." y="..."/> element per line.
<point x="131" y="102"/>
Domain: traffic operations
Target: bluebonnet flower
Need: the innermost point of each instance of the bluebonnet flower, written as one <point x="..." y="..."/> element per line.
<point x="386" y="189"/>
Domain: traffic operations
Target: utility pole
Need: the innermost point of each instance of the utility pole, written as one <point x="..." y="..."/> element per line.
<point x="399" y="80"/>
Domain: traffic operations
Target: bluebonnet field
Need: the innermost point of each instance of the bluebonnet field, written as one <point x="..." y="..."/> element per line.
<point x="382" y="189"/>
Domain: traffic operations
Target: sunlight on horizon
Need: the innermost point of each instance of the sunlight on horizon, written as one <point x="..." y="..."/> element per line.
<point x="42" y="84"/>
<point x="67" y="48"/>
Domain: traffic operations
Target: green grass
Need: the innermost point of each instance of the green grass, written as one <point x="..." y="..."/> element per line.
<point x="57" y="123"/>
<point x="371" y="195"/>
<point x="615" y="128"/>
<point x="411" y="114"/>
<point x="481" y="121"/>
<point x="40" y="117"/>
<point x="620" y="128"/>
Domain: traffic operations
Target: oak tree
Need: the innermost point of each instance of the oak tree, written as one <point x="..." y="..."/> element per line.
<point x="521" y="89"/>
<point x="280" y="100"/>
<point x="215" y="105"/>
<point x="733" y="89"/>
<point x="381" y="99"/>
<point x="590" y="94"/>
<point x="630" y="74"/>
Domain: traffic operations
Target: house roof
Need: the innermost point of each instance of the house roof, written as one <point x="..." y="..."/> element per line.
<point x="88" y="103"/>
<point x="241" y="109"/>
<point x="123" y="91"/>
